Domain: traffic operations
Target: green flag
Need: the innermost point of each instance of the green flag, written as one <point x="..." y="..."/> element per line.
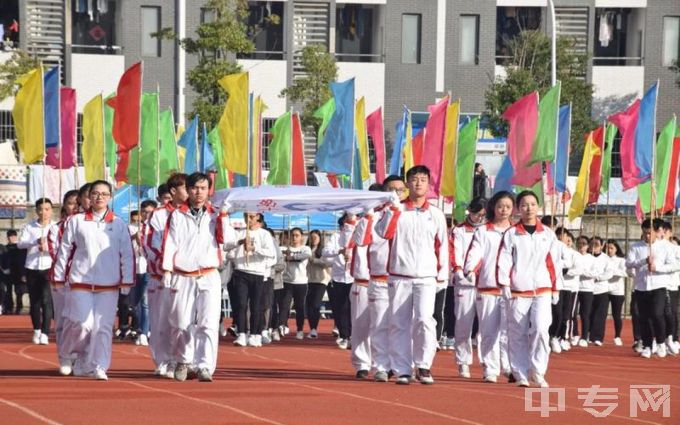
<point x="148" y="162"/>
<point x="546" y="132"/>
<point x="609" y="135"/>
<point x="222" y="176"/>
<point x="662" y="165"/>
<point x="537" y="189"/>
<point x="465" y="166"/>
<point x="324" y="113"/>
<point x="168" y="154"/>
<point x="280" y="151"/>
<point x="109" y="141"/>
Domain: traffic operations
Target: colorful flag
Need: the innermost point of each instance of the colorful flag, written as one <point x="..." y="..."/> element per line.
<point x="504" y="176"/>
<point x="222" y="176"/>
<point x="68" y="133"/>
<point x="189" y="141"/>
<point x="207" y="161"/>
<point x="27" y="115"/>
<point x="557" y="172"/>
<point x="127" y="105"/>
<point x="362" y="139"/>
<point x="109" y="142"/>
<point x="418" y="147"/>
<point x="465" y="166"/>
<point x="409" y="161"/>
<point x="298" y="174"/>
<point x="522" y="117"/>
<point x="662" y="171"/>
<point x="256" y="155"/>
<point x="448" y="181"/>
<point x="167" y="156"/>
<point x="51" y="107"/>
<point x="397" y="159"/>
<point x="143" y="166"/>
<point x="546" y="133"/>
<point x="335" y="153"/>
<point x="374" y="126"/>
<point x="626" y="122"/>
<point x="324" y="113"/>
<point x="93" y="139"/>
<point x="280" y="150"/>
<point x="433" y="143"/>
<point x="610" y="134"/>
<point x="645" y="133"/>
<point x="581" y="195"/>
<point x="234" y="121"/>
<point x="595" y="173"/>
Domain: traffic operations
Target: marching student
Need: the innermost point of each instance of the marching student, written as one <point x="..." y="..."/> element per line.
<point x="585" y="291"/>
<point x="526" y="275"/>
<point x="95" y="259"/>
<point x="480" y="268"/>
<point x="279" y="330"/>
<point x="251" y="257"/>
<point x="84" y="201"/>
<point x="69" y="206"/>
<point x="569" y="292"/>
<point x="295" y="280"/>
<point x="602" y="273"/>
<point x="617" y="286"/>
<point x="672" y="300"/>
<point x="160" y="299"/>
<point x="465" y="293"/>
<point x="562" y="310"/>
<point x="318" y="276"/>
<point x="653" y="260"/>
<point x="417" y="260"/>
<point x="34" y="238"/>
<point x="192" y="251"/>
<point x="139" y="297"/>
<point x="273" y="266"/>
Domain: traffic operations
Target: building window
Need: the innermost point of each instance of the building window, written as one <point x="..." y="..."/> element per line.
<point x="410" y="38"/>
<point x="207" y="15"/>
<point x="9" y="19"/>
<point x="358" y="33"/>
<point x="469" y="39"/>
<point x="618" y="36"/>
<point x="510" y="22"/>
<point x="671" y="40"/>
<point x="151" y="23"/>
<point x="265" y="29"/>
<point x="93" y="27"/>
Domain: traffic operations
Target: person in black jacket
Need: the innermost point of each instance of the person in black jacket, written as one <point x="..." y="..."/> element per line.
<point x="479" y="182"/>
<point x="13" y="260"/>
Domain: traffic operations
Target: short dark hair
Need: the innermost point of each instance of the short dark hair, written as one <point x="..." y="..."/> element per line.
<point x="84" y="189"/>
<point x="176" y="180"/>
<point x="375" y="187"/>
<point x="597" y="238"/>
<point x="134" y="212"/>
<point x="490" y="214"/>
<point x="548" y="220"/>
<point x="297" y="229"/>
<point x="196" y="177"/>
<point x="523" y="194"/>
<point x="391" y="178"/>
<point x="102" y="183"/>
<point x="649" y="224"/>
<point x="11" y="232"/>
<point x="666" y="225"/>
<point x="477" y="204"/>
<point x="70" y="193"/>
<point x="41" y="201"/>
<point x="418" y="169"/>
<point x="148" y="203"/>
<point x="162" y="189"/>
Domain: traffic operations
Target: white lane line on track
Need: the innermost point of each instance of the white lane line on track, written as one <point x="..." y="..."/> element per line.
<point x="29" y="412"/>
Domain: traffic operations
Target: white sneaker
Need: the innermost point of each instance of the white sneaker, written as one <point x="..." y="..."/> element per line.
<point x="575" y="340"/>
<point x="223" y="329"/>
<point x="654" y="346"/>
<point x="161" y="369"/>
<point x="265" y="338"/>
<point x="618" y="342"/>
<point x="539" y="380"/>
<point x="523" y="383"/>
<point x="661" y="351"/>
<point x="254" y="341"/>
<point x="565" y="345"/>
<point x="44" y="340"/>
<point x="646" y="353"/>
<point x="555" y="346"/>
<point x="676" y="344"/>
<point x="598" y="343"/>
<point x="36" y="337"/>
<point x="583" y="343"/>
<point x="300" y="335"/>
<point x="464" y="371"/>
<point x="286" y="330"/>
<point x="65" y="367"/>
<point x="170" y="371"/>
<point x="672" y="347"/>
<point x="449" y="343"/>
<point x="313" y="334"/>
<point x="100" y="375"/>
<point x="241" y="340"/>
<point x="276" y="336"/>
<point x="343" y="344"/>
<point x="143" y="340"/>
<point x="491" y="378"/>
<point x="637" y="347"/>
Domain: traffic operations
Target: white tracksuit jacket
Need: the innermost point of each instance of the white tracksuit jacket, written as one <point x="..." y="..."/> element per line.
<point x="29" y="240"/>
<point x="340" y="271"/>
<point x="587" y="282"/>
<point x="602" y="272"/>
<point x="482" y="256"/>
<point x="665" y="262"/>
<point x="153" y="239"/>
<point x="617" y="283"/>
<point x="259" y="260"/>
<point x="378" y="248"/>
<point x="461" y="239"/>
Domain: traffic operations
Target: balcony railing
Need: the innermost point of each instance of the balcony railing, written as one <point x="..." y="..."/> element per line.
<point x="360" y="57"/>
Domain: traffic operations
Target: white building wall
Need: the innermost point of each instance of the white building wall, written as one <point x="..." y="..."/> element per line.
<point x="94" y="74"/>
<point x="615" y="87"/>
<point x="523" y="3"/>
<point x="621" y="3"/>
<point x="267" y="79"/>
<point x="369" y="82"/>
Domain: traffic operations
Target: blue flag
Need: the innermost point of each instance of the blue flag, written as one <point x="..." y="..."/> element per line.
<point x="645" y="133"/>
<point x="397" y="160"/>
<point x="51" y="108"/>
<point x="357" y="183"/>
<point x="190" y="144"/>
<point x="558" y="168"/>
<point x="504" y="176"/>
<point x="207" y="159"/>
<point x="335" y="153"/>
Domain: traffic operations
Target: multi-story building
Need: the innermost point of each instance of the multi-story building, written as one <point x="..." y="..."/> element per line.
<point x="401" y="52"/>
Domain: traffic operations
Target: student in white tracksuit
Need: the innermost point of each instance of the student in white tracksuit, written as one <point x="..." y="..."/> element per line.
<point x="561" y="310"/>
<point x="617" y="286"/>
<point x="480" y="267"/>
<point x="526" y="274"/>
<point x="585" y="290"/>
<point x="418" y="260"/>
<point x="69" y="206"/>
<point x="160" y="298"/>
<point x="95" y="259"/>
<point x="572" y="279"/>
<point x="602" y="272"/>
<point x="465" y="293"/>
<point x="192" y="252"/>
<point x="361" y="319"/>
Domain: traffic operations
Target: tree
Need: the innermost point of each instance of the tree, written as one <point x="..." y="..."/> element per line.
<point x="312" y="90"/>
<point x="529" y="70"/>
<point x="17" y="65"/>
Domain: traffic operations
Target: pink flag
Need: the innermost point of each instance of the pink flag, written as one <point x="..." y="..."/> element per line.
<point x="375" y="129"/>
<point x="522" y="117"/>
<point x="434" y="143"/>
<point x="626" y="122"/>
<point x="68" y="132"/>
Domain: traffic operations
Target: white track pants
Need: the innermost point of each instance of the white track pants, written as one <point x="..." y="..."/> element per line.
<point x="493" y="347"/>
<point x="59" y="294"/>
<point x="194" y="320"/>
<point x="361" y="326"/>
<point x="528" y="321"/>
<point x="160" y="300"/>
<point x="464" y="308"/>
<point x="412" y="330"/>
<point x="378" y="308"/>
<point x="88" y="331"/>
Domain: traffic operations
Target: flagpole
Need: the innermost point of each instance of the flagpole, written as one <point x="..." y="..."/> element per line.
<point x="158" y="134"/>
<point x="250" y="141"/>
<point x="139" y="138"/>
<point x="553" y="205"/>
<point x="44" y="167"/>
<point x="652" y="207"/>
<point x="103" y="108"/>
<point x="677" y="176"/>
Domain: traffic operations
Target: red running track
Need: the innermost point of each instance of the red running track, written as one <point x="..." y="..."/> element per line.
<point x="308" y="382"/>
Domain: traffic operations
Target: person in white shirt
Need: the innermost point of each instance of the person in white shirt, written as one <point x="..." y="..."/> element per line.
<point x="526" y="275"/>
<point x="671" y="310"/>
<point x="562" y="310"/>
<point x="274" y="266"/>
<point x="480" y="268"/>
<point x="602" y="273"/>
<point x="95" y="259"/>
<point x="192" y="252"/>
<point x="585" y="291"/>
<point x="295" y="280"/>
<point x="34" y="238"/>
<point x="317" y="273"/>
<point x="617" y="286"/>
<point x="278" y="330"/>
<point x="418" y="260"/>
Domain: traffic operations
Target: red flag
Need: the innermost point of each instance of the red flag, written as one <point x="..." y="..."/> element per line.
<point x="122" y="166"/>
<point x="418" y="144"/>
<point x="595" y="173"/>
<point x="298" y="172"/>
<point x="626" y="122"/>
<point x="333" y="180"/>
<point x="68" y="132"/>
<point x="669" y="200"/>
<point x="522" y="117"/>
<point x="375" y="129"/>
<point x="127" y="108"/>
<point x="434" y="143"/>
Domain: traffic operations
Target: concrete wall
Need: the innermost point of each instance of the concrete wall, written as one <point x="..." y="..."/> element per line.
<point x="94" y="74"/>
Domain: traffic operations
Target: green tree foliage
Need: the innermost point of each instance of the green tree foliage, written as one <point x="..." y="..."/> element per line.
<point x="312" y="90"/>
<point x="17" y="65"/>
<point x="529" y="70"/>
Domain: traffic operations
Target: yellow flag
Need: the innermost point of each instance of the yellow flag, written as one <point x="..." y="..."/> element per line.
<point x="408" y="145"/>
<point x="448" y="184"/>
<point x="93" y="139"/>
<point x="256" y="153"/>
<point x="362" y="138"/>
<point x="580" y="198"/>
<point x="233" y="125"/>
<point x="28" y="117"/>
